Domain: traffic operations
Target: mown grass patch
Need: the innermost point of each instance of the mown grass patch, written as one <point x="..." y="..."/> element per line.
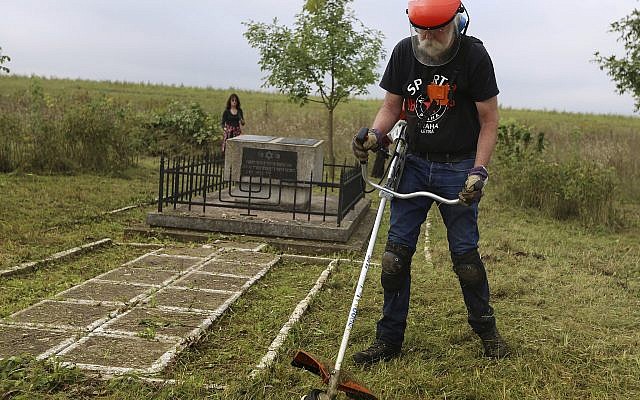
<point x="41" y="215"/>
<point x="564" y="301"/>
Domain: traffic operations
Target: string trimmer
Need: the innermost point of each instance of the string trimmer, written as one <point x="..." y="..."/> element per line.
<point x="332" y="376"/>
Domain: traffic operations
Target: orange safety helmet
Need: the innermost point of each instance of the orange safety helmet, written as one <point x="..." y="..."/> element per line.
<point x="436" y="28"/>
<point x="433" y="14"/>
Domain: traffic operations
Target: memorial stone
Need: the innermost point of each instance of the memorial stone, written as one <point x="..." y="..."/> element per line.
<point x="272" y="169"/>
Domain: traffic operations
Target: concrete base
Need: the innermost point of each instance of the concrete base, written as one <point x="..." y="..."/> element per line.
<point x="262" y="223"/>
<point x="357" y="242"/>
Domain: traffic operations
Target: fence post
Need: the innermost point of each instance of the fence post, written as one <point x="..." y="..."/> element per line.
<point x="161" y="185"/>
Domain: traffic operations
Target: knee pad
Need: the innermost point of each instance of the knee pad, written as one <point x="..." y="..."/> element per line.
<point x="469" y="268"/>
<point x="396" y="266"/>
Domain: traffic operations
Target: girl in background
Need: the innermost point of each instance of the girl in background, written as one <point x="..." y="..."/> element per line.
<point x="232" y="119"/>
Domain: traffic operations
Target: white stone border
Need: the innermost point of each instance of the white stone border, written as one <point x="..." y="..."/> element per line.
<point x="268" y="359"/>
<point x="55" y="257"/>
<point x="301" y="308"/>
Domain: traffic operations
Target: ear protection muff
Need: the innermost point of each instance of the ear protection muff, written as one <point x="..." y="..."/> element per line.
<point x="463" y="24"/>
<point x="464" y="21"/>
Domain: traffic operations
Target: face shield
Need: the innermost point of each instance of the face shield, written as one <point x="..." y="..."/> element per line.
<point x="437" y="46"/>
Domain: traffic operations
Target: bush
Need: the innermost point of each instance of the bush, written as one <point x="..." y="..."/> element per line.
<point x="181" y="130"/>
<point x="516" y="142"/>
<point x="575" y="189"/>
<point x="97" y="136"/>
<point x="44" y="134"/>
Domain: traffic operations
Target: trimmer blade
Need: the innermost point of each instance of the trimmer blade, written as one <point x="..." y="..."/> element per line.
<point x="315" y="365"/>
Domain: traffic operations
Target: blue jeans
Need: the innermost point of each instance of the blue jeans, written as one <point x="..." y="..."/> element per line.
<point x="407" y="215"/>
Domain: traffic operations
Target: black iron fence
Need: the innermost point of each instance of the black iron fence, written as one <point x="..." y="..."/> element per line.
<point x="198" y="183"/>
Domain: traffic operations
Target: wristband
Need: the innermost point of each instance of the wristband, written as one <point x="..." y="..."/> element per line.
<point x="481" y="171"/>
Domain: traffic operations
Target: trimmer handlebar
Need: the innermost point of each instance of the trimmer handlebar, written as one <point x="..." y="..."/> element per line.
<point x="397" y="133"/>
<point x="392" y="193"/>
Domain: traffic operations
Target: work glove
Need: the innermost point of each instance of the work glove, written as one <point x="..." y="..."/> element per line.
<point x="474" y="185"/>
<point x="364" y="141"/>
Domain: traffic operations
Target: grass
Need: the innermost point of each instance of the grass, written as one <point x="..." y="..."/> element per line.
<point x="566" y="299"/>
<point x="566" y="296"/>
<point x="41" y="215"/>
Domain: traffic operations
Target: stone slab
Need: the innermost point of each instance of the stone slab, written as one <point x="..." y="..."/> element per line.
<point x="231" y="268"/>
<point x="257" y="138"/>
<point x="161" y="321"/>
<point x="199" y="251"/>
<point x="268" y="224"/>
<point x="167" y="263"/>
<point x="245" y="258"/>
<point x="104" y="291"/>
<point x="190" y="299"/>
<point x="357" y="242"/>
<point x="114" y="351"/>
<point x="139" y="275"/>
<point x="212" y="282"/>
<point x="298" y="141"/>
<point x="16" y="340"/>
<point x="64" y="314"/>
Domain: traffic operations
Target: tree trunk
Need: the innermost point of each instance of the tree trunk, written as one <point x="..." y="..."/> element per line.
<point x="331" y="155"/>
<point x="332" y="158"/>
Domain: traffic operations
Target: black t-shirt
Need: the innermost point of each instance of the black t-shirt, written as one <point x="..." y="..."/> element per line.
<point x="229" y="118"/>
<point x="442" y="128"/>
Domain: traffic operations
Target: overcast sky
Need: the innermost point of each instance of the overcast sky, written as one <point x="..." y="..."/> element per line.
<point x="542" y="50"/>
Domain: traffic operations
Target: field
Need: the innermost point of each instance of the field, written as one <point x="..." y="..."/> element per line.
<point x="566" y="294"/>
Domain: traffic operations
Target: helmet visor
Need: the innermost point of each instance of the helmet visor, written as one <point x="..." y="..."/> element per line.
<point x="434" y="47"/>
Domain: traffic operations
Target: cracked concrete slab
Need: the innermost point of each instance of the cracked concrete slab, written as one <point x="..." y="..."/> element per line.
<point x="138" y="275"/>
<point x="20" y="340"/>
<point x="64" y="314"/>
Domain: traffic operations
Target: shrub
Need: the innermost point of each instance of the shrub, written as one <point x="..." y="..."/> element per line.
<point x="182" y="129"/>
<point x="517" y="142"/>
<point x="576" y="189"/>
<point x="97" y="136"/>
<point x="44" y="134"/>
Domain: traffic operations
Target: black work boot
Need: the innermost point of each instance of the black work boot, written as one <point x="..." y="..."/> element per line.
<point x="378" y="351"/>
<point x="494" y="345"/>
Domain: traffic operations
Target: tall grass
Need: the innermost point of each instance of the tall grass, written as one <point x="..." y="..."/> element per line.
<point x="607" y="140"/>
<point x="572" y="188"/>
<point x="42" y="133"/>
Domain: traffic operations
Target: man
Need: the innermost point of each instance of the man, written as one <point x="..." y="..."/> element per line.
<point x="446" y="83"/>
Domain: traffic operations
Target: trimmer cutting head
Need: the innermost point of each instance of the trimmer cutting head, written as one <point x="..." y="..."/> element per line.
<point x="313" y="364"/>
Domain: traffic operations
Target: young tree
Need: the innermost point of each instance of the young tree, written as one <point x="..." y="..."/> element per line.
<point x="625" y="71"/>
<point x="324" y="56"/>
<point x="3" y="59"/>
